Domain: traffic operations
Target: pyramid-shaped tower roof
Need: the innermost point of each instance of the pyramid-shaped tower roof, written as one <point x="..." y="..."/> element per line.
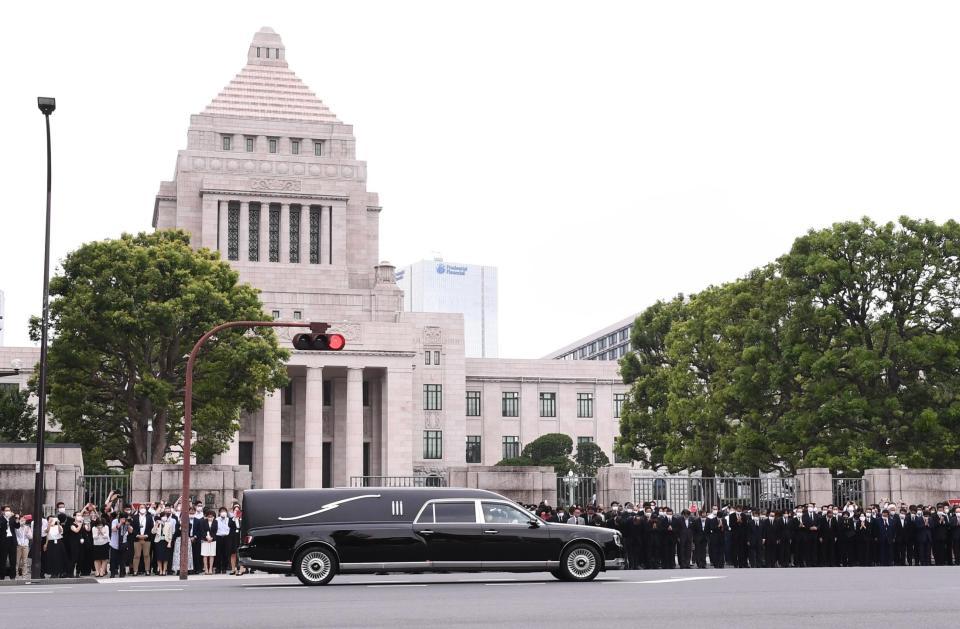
<point x="267" y="88"/>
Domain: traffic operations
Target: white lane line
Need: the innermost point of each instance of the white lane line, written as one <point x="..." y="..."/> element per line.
<point x="373" y="582"/>
<point x="152" y="590"/>
<point x="479" y="580"/>
<point x="279" y="587"/>
<point x="30" y="592"/>
<point x="512" y="584"/>
<point x="400" y="585"/>
<point x="674" y="580"/>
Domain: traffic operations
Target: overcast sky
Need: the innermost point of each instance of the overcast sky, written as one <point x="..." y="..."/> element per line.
<point x="602" y="155"/>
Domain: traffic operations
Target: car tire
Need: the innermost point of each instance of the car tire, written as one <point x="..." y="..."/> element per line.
<point x="558" y="574"/>
<point x="315" y="565"/>
<point x="580" y="562"/>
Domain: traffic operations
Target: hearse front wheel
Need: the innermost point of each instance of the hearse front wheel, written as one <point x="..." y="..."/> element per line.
<point x="315" y="566"/>
<point x="580" y="562"/>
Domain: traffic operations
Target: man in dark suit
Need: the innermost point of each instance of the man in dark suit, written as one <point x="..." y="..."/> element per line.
<point x="560" y="516"/>
<point x="8" y="543"/>
<point x="684" y="535"/>
<point x="809" y="527"/>
<point x="828" y="538"/>
<point x="755" y="539"/>
<point x="771" y="532"/>
<point x="786" y="554"/>
<point x="955" y="534"/>
<point x="740" y="534"/>
<point x="883" y="535"/>
<point x="902" y="528"/>
<point x="669" y="544"/>
<point x="698" y="533"/>
<point x="142" y="523"/>
<point x="940" y="532"/>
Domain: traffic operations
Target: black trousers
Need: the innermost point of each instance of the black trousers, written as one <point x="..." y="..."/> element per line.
<point x="717" y="558"/>
<point x="8" y="557"/>
<point x="784" y="553"/>
<point x="771" y="553"/>
<point x="120" y="559"/>
<point x="700" y="553"/>
<point x="684" y="548"/>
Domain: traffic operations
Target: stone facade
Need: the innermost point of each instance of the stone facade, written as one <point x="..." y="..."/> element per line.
<point x="214" y="484"/>
<point x="270" y="179"/>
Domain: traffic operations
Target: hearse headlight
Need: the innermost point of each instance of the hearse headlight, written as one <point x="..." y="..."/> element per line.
<point x="617" y="539"/>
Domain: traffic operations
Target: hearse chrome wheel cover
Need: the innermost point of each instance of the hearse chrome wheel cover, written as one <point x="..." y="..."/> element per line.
<point x="315" y="566"/>
<point x="581" y="563"/>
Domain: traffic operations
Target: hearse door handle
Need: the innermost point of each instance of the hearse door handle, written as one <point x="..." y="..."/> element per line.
<point x="491" y="532"/>
<point x="426" y="532"/>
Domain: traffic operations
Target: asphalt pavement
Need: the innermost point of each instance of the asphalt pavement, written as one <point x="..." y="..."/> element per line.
<point x="746" y="599"/>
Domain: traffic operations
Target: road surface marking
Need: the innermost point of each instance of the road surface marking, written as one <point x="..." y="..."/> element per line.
<point x="30" y="592"/>
<point x="673" y="580"/>
<point x="152" y="590"/>
<point x="523" y="583"/>
<point x="400" y="585"/>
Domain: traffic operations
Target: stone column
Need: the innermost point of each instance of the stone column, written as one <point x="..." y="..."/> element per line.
<point x="325" y="234"/>
<point x="398" y="458"/>
<point x="815" y="485"/>
<point x="222" y="228"/>
<point x="244" y="232"/>
<point x="232" y="455"/>
<point x="305" y="233"/>
<point x="271" y="439"/>
<point x="299" y="427"/>
<point x="264" y="232"/>
<point x="313" y="430"/>
<point x="375" y="418"/>
<point x="354" y="440"/>
<point x="285" y="233"/>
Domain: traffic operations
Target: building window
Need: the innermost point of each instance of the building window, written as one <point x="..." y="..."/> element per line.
<point x="511" y="447"/>
<point x="275" y="314"/>
<point x="511" y="404"/>
<point x="584" y="404"/>
<point x="432" y="397"/>
<point x="233" y="230"/>
<point x="297" y="315"/>
<point x="426" y="357"/>
<point x="288" y="394"/>
<point x="473" y="449"/>
<point x="583" y="440"/>
<point x="436" y="357"/>
<point x="602" y="343"/>
<point x="318" y="148"/>
<point x="272" y="143"/>
<point x="295" y="147"/>
<point x="366" y="393"/>
<point x="618" y="399"/>
<point x="253" y="242"/>
<point x="328" y="393"/>
<point x="623" y="334"/>
<point x="227" y="143"/>
<point x="314" y="234"/>
<point x="258" y="51"/>
<point x="268" y="53"/>
<point x="274" y="232"/>
<point x="432" y="444"/>
<point x="473" y="404"/>
<point x="249" y="145"/>
<point x="583" y="352"/>
<point x="295" y="233"/>
<point x="548" y="404"/>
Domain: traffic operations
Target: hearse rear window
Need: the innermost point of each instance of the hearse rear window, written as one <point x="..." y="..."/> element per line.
<point x="499" y="513"/>
<point x="448" y="512"/>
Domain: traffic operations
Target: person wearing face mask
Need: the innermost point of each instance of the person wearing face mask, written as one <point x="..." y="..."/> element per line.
<point x="716" y="532"/>
<point x="772" y="530"/>
<point x="207" y="533"/>
<point x="924" y="536"/>
<point x="8" y="543"/>
<point x="883" y="536"/>
<point x="142" y="523"/>
<point x="940" y="532"/>
<point x="62" y="513"/>
<point x="188" y="545"/>
<point x="698" y="531"/>
<point x="846" y="545"/>
<point x="900" y="536"/>
<point x="56" y="555"/>
<point x="100" y="546"/>
<point x="785" y="554"/>
<point x="827" y="538"/>
<point x="953" y="520"/>
<point x="162" y="538"/>
<point x="224" y="540"/>
<point x="755" y="554"/>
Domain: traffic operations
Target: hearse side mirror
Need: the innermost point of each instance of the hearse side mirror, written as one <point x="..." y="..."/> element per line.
<point x="534" y="523"/>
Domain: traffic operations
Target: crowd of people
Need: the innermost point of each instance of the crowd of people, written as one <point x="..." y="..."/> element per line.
<point x="738" y="536"/>
<point x="122" y="539"/>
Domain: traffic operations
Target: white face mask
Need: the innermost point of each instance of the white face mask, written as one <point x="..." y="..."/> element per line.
<point x="62" y="509"/>
<point x="863" y="518"/>
<point x="712" y="515"/>
<point x="143" y="511"/>
<point x="770" y="517"/>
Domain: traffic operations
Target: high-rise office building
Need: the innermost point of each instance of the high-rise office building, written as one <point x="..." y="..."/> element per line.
<point x="469" y="289"/>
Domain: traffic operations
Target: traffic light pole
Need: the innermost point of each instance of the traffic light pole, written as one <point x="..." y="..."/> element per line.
<point x="188" y="420"/>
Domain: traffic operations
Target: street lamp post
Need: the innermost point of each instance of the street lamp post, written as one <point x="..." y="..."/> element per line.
<point x="150" y="443"/>
<point x="188" y="415"/>
<point x="47" y="106"/>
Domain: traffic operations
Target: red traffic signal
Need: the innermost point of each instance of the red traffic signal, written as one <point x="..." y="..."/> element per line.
<point x="321" y="342"/>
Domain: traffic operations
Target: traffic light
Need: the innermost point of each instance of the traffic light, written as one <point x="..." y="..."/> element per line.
<point x="314" y="341"/>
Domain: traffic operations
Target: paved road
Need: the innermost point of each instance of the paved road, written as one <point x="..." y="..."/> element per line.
<point x="746" y="599"/>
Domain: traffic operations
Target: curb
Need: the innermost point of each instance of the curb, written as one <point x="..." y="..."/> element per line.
<point x="36" y="582"/>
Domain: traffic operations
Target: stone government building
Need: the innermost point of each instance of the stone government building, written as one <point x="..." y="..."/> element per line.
<point x="270" y="178"/>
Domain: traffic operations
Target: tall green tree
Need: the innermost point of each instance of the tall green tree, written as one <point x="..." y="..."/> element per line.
<point x="124" y="315"/>
<point x="589" y="459"/>
<point x="552" y="449"/>
<point x="18" y="419"/>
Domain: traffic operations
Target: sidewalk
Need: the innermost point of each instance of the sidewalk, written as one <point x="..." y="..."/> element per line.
<point x="193" y="577"/>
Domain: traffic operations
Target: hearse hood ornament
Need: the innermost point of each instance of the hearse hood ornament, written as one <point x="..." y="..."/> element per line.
<point x="330" y="506"/>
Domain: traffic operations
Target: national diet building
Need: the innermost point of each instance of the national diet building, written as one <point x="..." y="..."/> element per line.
<point x="271" y="179"/>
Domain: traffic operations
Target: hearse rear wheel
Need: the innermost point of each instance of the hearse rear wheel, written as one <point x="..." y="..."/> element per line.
<point x="315" y="566"/>
<point x="558" y="574"/>
<point x="580" y="562"/>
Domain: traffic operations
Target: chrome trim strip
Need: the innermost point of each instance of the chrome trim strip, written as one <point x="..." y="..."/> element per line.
<point x="263" y="563"/>
<point x="515" y="564"/>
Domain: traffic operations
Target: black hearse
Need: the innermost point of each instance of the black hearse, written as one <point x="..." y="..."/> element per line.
<point x="317" y="533"/>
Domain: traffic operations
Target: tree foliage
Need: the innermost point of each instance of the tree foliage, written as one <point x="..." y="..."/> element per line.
<point x="551" y="449"/>
<point x="843" y="353"/>
<point x="18" y="418"/>
<point x="124" y="314"/>
<point x="589" y="459"/>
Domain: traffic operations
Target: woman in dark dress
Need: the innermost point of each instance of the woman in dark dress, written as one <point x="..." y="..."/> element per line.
<point x="54" y="548"/>
<point x="73" y="539"/>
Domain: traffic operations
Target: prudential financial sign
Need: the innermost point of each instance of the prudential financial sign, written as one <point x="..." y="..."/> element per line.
<point x="451" y="269"/>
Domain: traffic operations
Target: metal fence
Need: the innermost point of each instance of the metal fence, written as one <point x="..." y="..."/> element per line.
<point x="681" y="492"/>
<point x="848" y="489"/>
<point x="96" y="488"/>
<point x="398" y="481"/>
<point x="576" y="490"/>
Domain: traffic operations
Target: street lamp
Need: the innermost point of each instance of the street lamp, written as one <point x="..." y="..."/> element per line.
<point x="150" y="443"/>
<point x="47" y="106"/>
<point x="571" y="482"/>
